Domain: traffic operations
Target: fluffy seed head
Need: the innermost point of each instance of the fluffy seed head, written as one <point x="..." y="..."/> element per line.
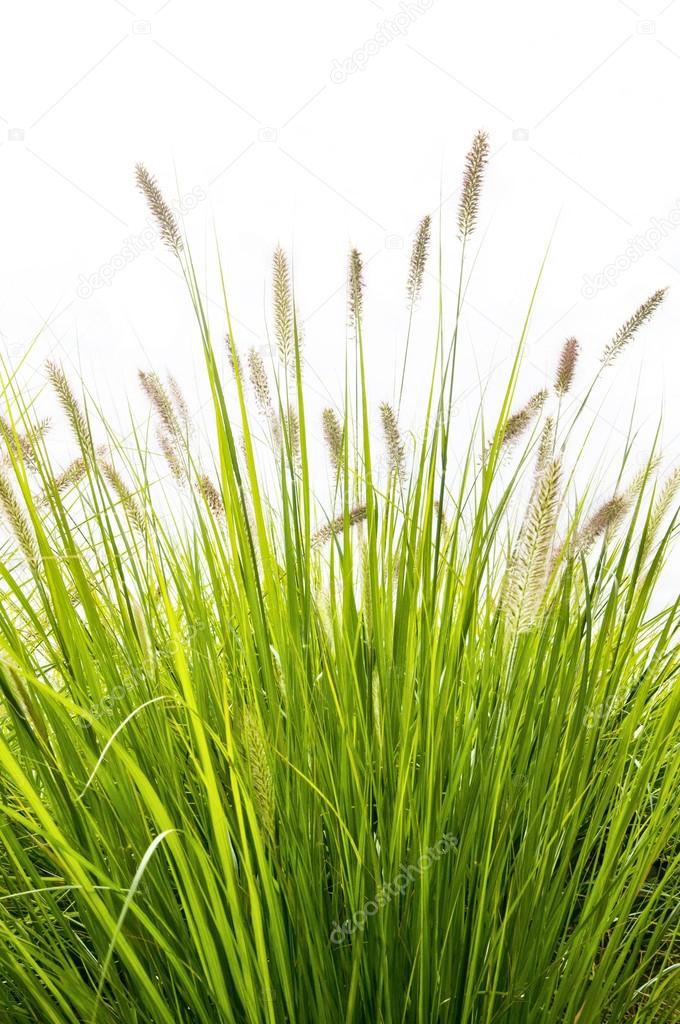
<point x="529" y="567"/>
<point x="125" y="496"/>
<point x="18" y="521"/>
<point x="333" y="436"/>
<point x="355" y="285"/>
<point x="179" y="402"/>
<point x="475" y="163"/>
<point x="395" y="446"/>
<point x="70" y="405"/>
<point x="292" y="424"/>
<point x="161" y="212"/>
<point x="171" y="455"/>
<point x="566" y="366"/>
<point x="545" y="448"/>
<point x="355" y="515"/>
<point x="663" y="502"/>
<point x="283" y="306"/>
<point x="234" y="358"/>
<point x="519" y="421"/>
<point x="259" y="380"/>
<point x="421" y="246"/>
<point x="160" y="400"/>
<point x="627" y="331"/>
<point x="211" y="495"/>
<point x="260" y="773"/>
<point x="604" y="520"/>
<point x="23" y="445"/>
<point x="70" y="476"/>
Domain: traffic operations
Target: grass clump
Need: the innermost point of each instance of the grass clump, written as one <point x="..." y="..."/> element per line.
<point x="410" y="754"/>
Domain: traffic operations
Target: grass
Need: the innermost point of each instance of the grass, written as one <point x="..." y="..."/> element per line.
<point x="408" y="755"/>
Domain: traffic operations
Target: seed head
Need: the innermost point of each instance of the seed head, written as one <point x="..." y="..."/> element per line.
<point x="663" y="502"/>
<point x="545" y="448"/>
<point x="179" y="402"/>
<point x="125" y="496"/>
<point x="566" y="366"/>
<point x="604" y="520"/>
<point x="355" y="515"/>
<point x="18" y="521"/>
<point x="234" y="358"/>
<point x="393" y="442"/>
<point x="71" y="406"/>
<point x="161" y="212"/>
<point x="527" y="574"/>
<point x="23" y="445"/>
<point x="283" y="306"/>
<point x="260" y="772"/>
<point x="475" y="163"/>
<point x="355" y="282"/>
<point x="419" y="254"/>
<point x="161" y="402"/>
<point x="333" y="436"/>
<point x="211" y="495"/>
<point x="171" y="455"/>
<point x="69" y="477"/>
<point x="519" y="421"/>
<point x="627" y="331"/>
<point x="292" y="424"/>
<point x="259" y="381"/>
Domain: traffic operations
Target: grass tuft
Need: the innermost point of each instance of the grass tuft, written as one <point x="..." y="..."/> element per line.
<point x="407" y="754"/>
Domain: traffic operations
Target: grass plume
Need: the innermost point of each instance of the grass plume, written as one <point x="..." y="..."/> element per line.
<point x="333" y="436"/>
<point x="475" y="166"/>
<point x="419" y="254"/>
<point x="160" y="210"/>
<point x="355" y="286"/>
<point x="283" y="307"/>
<point x="629" y="329"/>
<point x="566" y="367"/>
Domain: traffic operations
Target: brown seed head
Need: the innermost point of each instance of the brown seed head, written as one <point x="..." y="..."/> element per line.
<point x="161" y="212"/>
<point x="355" y="515"/>
<point x="627" y="331"/>
<point x="519" y="421"/>
<point x="71" y="406"/>
<point x="355" y="283"/>
<point x="211" y="495"/>
<point x="395" y="446"/>
<point x="475" y="163"/>
<point x="161" y="402"/>
<point x="259" y="381"/>
<point x="421" y="246"/>
<point x="125" y="496"/>
<point x="283" y="306"/>
<point x="566" y="366"/>
<point x="18" y="521"/>
<point x="333" y="436"/>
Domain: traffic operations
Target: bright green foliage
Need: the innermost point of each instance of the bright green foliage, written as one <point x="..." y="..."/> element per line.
<point x="229" y="730"/>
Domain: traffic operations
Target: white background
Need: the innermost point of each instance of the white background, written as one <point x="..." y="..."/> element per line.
<point x="300" y="124"/>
